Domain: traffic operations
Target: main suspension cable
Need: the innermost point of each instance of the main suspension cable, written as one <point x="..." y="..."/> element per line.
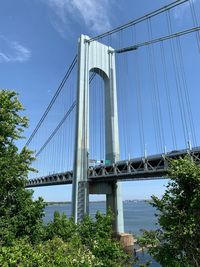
<point x="140" y="19"/>
<point x="157" y="40"/>
<point x="71" y="67"/>
<point x="56" y="129"/>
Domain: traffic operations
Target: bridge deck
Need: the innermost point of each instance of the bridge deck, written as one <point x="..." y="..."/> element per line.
<point x="149" y="168"/>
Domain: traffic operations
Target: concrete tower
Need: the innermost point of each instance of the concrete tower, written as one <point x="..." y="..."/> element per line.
<point x="99" y="58"/>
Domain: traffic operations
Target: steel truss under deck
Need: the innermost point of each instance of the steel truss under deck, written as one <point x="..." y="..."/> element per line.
<point x="143" y="168"/>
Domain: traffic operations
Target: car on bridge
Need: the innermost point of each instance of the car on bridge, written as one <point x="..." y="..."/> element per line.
<point x="94" y="162"/>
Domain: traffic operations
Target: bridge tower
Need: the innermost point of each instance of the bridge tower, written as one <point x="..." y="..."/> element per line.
<point x="96" y="57"/>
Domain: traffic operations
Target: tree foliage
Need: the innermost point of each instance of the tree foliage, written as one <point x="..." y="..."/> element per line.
<point x="24" y="239"/>
<point x="19" y="214"/>
<point x="177" y="241"/>
<point x="50" y="253"/>
<point x="64" y="243"/>
<point x="95" y="235"/>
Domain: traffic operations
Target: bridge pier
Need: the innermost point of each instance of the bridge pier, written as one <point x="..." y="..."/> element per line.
<point x="113" y="202"/>
<point x="112" y="190"/>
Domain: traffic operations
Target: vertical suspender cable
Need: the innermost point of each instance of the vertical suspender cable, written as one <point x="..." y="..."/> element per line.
<point x="121" y="91"/>
<point x="154" y="94"/>
<point x="177" y="79"/>
<point x="139" y="101"/>
<point x="168" y="96"/>
<point x="123" y="94"/>
<point x="157" y="96"/>
<point x="186" y="93"/>
<point x="195" y="22"/>
<point x="91" y="119"/>
<point x="126" y="104"/>
<point x="99" y="109"/>
<point x="152" y="100"/>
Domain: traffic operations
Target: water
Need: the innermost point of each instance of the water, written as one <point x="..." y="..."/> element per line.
<point x="137" y="215"/>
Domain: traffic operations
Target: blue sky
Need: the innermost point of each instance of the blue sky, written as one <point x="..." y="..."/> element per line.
<point x="38" y="40"/>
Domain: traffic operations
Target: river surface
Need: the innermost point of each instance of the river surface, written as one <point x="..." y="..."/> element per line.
<point x="137" y="215"/>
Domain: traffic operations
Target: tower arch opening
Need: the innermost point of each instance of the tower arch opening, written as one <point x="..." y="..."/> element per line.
<point x="97" y="117"/>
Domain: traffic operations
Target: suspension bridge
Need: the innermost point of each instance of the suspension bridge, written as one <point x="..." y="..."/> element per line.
<point x="127" y="104"/>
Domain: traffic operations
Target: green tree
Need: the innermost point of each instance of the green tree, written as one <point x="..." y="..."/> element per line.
<point x="177" y="242"/>
<point x="95" y="235"/>
<point x="19" y="214"/>
<point x="24" y="239"/>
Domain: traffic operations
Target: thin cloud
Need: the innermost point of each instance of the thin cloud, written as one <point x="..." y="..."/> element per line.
<point x="93" y="13"/>
<point x="181" y="11"/>
<point x="12" y="51"/>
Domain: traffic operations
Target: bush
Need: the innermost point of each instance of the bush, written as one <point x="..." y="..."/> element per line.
<point x="53" y="253"/>
<point x="64" y="243"/>
<point x="177" y="242"/>
<point x="95" y="235"/>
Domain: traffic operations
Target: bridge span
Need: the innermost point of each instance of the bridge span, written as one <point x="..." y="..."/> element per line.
<point x="142" y="168"/>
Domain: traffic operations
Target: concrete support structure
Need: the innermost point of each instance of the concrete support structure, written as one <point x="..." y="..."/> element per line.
<point x="99" y="58"/>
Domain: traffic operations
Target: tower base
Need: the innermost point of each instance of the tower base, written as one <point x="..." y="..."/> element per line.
<point x="127" y="241"/>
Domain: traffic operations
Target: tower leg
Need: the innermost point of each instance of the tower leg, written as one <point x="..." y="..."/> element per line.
<point x="115" y="204"/>
<point x="83" y="200"/>
<point x="80" y="198"/>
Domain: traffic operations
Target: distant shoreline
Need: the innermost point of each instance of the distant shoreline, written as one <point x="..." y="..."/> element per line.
<point x="98" y="201"/>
